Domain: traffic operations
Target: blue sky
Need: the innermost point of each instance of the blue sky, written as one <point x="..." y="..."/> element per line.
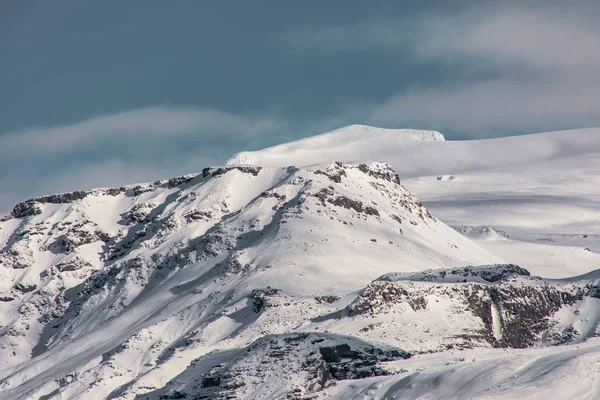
<point x="113" y="92"/>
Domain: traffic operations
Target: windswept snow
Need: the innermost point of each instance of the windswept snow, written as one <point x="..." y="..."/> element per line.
<point x="354" y="142"/>
<point x="545" y="373"/>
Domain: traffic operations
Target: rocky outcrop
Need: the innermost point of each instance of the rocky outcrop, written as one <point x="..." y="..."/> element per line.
<point x="487" y="273"/>
<point x="516" y="310"/>
<point x="304" y="363"/>
<point x="252" y="170"/>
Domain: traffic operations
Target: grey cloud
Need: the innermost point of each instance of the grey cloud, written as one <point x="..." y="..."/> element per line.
<point x="499" y="105"/>
<point x="361" y="36"/>
<point x="137" y="145"/>
<point x="154" y="122"/>
<point x="548" y="39"/>
<point x="518" y="67"/>
<point x="547" y="72"/>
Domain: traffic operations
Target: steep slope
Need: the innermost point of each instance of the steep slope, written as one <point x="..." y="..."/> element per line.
<point x="113" y="292"/>
<point x="540" y="189"/>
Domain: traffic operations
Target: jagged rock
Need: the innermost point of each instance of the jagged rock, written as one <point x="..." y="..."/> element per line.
<point x="320" y="359"/>
<point x="260" y="298"/>
<point x="140" y="212"/>
<point x="25" y="287"/>
<point x="335" y="172"/>
<point x="73" y="265"/>
<point x="522" y="308"/>
<point x="198" y="215"/>
<point x="26" y="209"/>
<point x="174" y="182"/>
<point x="380" y="171"/>
<point x="252" y="170"/>
<point x="13" y="258"/>
<point x="595" y="291"/>
<point x="327" y="299"/>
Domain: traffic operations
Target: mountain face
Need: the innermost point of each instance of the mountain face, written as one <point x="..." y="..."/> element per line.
<point x="249" y="281"/>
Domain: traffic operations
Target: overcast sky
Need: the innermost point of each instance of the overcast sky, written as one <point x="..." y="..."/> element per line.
<point x="103" y="93"/>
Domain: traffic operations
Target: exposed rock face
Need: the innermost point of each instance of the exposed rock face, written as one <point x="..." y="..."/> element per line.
<point x="252" y="170"/>
<point x="32" y="207"/>
<point x="304" y="362"/>
<point x="486" y="273"/>
<point x="516" y="310"/>
<point x="14" y="258"/>
<point x="73" y="265"/>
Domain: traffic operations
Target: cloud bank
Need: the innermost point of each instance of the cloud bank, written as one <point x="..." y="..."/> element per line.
<point x="133" y="146"/>
<point x="520" y="67"/>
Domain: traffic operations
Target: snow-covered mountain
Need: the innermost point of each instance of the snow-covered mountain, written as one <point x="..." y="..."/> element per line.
<point x="302" y="271"/>
<point x="540" y="189"/>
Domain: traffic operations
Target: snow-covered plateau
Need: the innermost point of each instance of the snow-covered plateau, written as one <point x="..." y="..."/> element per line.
<point x="362" y="263"/>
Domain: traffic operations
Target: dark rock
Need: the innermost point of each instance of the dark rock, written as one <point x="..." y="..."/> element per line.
<point x="595" y="291"/>
<point x="73" y="265"/>
<point x="327" y="299"/>
<point x="396" y="218"/>
<point x="387" y="174"/>
<point x="25" y="288"/>
<point x="334" y="175"/>
<point x="209" y="381"/>
<point x="343" y="201"/>
<point x="26" y="209"/>
<point x="174" y="182"/>
<point x="223" y="170"/>
<point x="259" y="298"/>
<point x="174" y="395"/>
<point x="337" y="353"/>
<point x="197" y="215"/>
<point x="371" y="211"/>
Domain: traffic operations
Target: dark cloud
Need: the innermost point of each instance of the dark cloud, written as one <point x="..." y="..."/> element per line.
<point x="512" y="67"/>
<point x="136" y="145"/>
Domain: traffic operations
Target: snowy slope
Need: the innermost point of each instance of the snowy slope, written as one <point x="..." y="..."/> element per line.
<point x="354" y="142"/>
<point x="90" y="276"/>
<point x="542" y="373"/>
<point x="540" y="189"/>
